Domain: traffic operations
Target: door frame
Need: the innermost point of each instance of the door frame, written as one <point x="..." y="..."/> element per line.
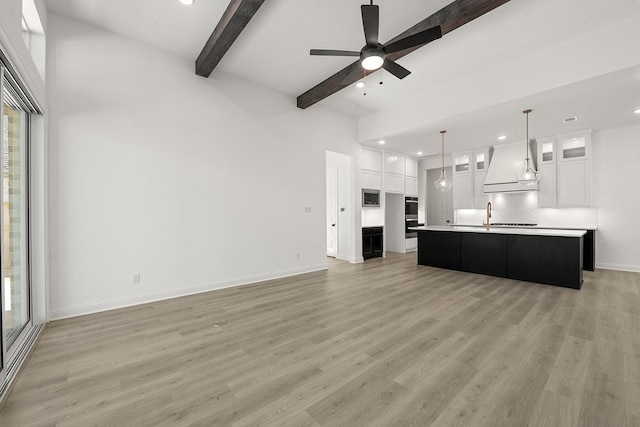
<point x="333" y="171"/>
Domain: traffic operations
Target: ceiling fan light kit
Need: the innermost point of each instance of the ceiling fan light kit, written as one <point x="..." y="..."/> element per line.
<point x="374" y="55"/>
<point x="372" y="60"/>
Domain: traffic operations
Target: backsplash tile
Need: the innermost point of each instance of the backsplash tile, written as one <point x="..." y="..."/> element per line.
<point x="523" y="208"/>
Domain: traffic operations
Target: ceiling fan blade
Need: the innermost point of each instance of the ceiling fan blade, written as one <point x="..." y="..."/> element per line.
<point x="396" y="69"/>
<point x="370" y="22"/>
<point x="329" y="52"/>
<point x="417" y="39"/>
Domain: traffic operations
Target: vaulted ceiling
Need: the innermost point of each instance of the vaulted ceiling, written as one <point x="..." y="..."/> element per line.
<point x="559" y="57"/>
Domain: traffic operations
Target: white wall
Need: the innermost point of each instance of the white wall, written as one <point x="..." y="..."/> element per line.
<point x="194" y="183"/>
<point x="616" y="159"/>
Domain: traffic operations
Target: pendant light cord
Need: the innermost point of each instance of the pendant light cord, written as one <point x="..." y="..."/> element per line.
<point x="442" y="132"/>
<point x="527" y="141"/>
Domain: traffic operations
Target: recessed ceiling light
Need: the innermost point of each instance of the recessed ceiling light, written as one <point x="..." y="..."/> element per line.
<point x="382" y="142"/>
<point x="360" y="85"/>
<point x="419" y="153"/>
<point x="187" y="2"/>
<point x="502" y="137"/>
<point x="637" y="111"/>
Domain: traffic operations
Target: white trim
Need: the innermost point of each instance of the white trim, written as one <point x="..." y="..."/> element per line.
<point x="619" y="267"/>
<point x="80" y="310"/>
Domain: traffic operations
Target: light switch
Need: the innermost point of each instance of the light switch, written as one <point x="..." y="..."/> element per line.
<point x="307" y="209"/>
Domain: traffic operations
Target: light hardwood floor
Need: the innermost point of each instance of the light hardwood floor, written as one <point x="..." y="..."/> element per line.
<point x="385" y="343"/>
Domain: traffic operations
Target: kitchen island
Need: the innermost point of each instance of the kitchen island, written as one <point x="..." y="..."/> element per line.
<point x="549" y="256"/>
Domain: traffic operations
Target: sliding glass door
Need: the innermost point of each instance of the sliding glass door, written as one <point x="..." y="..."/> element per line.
<point x="14" y="220"/>
<point x="15" y="278"/>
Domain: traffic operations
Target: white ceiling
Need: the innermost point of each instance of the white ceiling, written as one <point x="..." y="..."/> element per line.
<point x="559" y="57"/>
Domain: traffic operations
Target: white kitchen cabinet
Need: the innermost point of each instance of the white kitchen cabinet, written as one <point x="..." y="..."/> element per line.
<point x="481" y="159"/>
<point x="394" y="173"/>
<point x="547" y="186"/>
<point x="573" y="153"/>
<point x="573" y="184"/>
<point x="462" y="162"/>
<point x="411" y="168"/>
<point x="394" y="183"/>
<point x="371" y="179"/>
<point x="547" y="167"/>
<point x="410" y="186"/>
<point x="394" y="164"/>
<point x="463" y="189"/>
<point x="564" y="164"/>
<point x="371" y="160"/>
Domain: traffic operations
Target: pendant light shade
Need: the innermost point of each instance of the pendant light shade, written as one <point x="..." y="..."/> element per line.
<point x="527" y="176"/>
<point x="443" y="184"/>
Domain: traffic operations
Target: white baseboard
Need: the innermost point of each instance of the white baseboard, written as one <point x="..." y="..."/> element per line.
<point x="81" y="310"/>
<point x="619" y="267"/>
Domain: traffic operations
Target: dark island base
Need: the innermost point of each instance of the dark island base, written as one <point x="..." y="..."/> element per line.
<point x="550" y="260"/>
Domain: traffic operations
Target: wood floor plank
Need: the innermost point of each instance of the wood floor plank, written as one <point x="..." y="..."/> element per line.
<point x="382" y="343"/>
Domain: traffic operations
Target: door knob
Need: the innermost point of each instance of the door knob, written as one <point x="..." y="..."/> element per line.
<point x="333" y="225"/>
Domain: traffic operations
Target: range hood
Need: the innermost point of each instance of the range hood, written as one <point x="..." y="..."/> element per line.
<point x="507" y="161"/>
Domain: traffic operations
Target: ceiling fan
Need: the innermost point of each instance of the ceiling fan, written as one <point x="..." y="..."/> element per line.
<point x="373" y="54"/>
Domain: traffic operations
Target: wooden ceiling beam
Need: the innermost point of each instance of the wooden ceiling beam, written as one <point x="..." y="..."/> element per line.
<point x="449" y="18"/>
<point x="233" y="21"/>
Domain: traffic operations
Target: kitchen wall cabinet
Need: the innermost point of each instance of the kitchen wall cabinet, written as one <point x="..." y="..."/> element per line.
<point x="410" y="177"/>
<point x="481" y="159"/>
<point x="394" y="164"/>
<point x="400" y="173"/>
<point x="573" y="184"/>
<point x="469" y="173"/>
<point x="371" y="169"/>
<point x="411" y="186"/>
<point x="462" y="180"/>
<point x="371" y="160"/>
<point x="564" y="163"/>
<point x="411" y="167"/>
<point x="547" y="167"/>
<point x="371" y="180"/>
<point x="394" y="173"/>
<point x="574" y="169"/>
<point x="394" y="183"/>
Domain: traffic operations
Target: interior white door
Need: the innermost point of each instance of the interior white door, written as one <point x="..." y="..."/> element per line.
<point x="332" y="211"/>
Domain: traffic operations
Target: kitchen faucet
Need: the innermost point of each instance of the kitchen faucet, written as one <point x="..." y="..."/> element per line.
<point x="488" y="223"/>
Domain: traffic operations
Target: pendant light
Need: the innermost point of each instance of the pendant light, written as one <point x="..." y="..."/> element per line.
<point x="443" y="184"/>
<point x="527" y="176"/>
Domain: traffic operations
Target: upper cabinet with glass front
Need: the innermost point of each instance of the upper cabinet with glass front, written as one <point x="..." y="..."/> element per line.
<point x="574" y="147"/>
<point x="574" y="169"/>
<point x="481" y="157"/>
<point x="564" y="163"/>
<point x="462" y="162"/>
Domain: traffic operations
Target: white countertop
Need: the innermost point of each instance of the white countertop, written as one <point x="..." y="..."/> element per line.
<point x="506" y="230"/>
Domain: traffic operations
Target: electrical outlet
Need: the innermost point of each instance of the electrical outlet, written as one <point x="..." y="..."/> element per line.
<point x="135" y="279"/>
<point x="298" y="256"/>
